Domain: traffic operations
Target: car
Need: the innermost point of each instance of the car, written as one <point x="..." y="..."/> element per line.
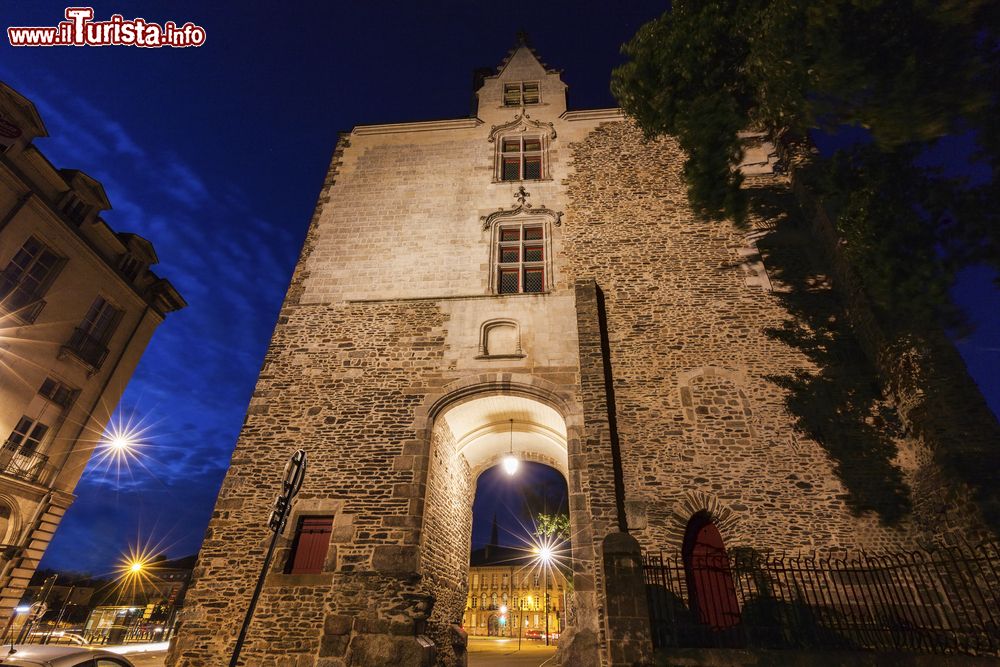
<point x="35" y="655"/>
<point x="533" y="634"/>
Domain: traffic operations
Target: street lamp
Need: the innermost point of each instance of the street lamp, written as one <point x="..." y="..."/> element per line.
<point x="510" y="462"/>
<point x="545" y="558"/>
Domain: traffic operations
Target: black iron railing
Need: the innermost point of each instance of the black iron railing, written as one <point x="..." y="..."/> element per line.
<point x="15" y="300"/>
<point x="945" y="601"/>
<point x="87" y="348"/>
<point x="23" y="464"/>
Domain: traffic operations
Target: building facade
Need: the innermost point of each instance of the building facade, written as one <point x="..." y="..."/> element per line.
<point x="531" y="280"/>
<point x="78" y="305"/>
<point x="510" y="595"/>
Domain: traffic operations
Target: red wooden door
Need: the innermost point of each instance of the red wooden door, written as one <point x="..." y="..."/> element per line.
<point x="710" y="581"/>
<point x="312" y="543"/>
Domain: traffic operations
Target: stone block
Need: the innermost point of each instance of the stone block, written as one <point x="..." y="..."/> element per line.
<point x="396" y="559"/>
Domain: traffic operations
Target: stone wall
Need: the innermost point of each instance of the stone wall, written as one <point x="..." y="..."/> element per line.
<point x="704" y="418"/>
<point x="446" y="535"/>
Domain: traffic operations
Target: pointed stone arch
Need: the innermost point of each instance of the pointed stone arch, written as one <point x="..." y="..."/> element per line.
<point x="694" y="503"/>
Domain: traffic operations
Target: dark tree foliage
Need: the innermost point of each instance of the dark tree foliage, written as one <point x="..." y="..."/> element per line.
<point x="911" y="73"/>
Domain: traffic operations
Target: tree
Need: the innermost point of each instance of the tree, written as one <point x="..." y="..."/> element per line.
<point x="910" y="73"/>
<point x="555" y="526"/>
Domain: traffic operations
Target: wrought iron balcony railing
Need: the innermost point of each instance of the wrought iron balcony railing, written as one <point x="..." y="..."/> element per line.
<point x="24" y="304"/>
<point x="23" y="464"/>
<point x="89" y="349"/>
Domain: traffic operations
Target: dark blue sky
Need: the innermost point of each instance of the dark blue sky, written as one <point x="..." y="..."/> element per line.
<point x="216" y="155"/>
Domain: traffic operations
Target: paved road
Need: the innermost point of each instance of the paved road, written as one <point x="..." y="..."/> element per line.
<point x="482" y="653"/>
<point x="504" y="653"/>
<point x="152" y="659"/>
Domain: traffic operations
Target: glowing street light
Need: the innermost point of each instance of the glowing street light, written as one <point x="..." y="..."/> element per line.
<point x="544" y="555"/>
<point x="510" y="465"/>
<point x="510" y="462"/>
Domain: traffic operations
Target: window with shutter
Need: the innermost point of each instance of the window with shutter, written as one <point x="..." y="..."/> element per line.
<point x="312" y="541"/>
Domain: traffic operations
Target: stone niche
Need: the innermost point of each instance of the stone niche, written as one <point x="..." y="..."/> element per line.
<point x="500" y="339"/>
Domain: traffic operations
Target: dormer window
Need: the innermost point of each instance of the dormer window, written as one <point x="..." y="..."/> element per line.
<point x="75" y="209"/>
<point x="130" y="266"/>
<point x="520" y="92"/>
<point x="521" y="158"/>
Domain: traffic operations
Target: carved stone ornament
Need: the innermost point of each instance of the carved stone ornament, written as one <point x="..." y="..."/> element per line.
<point x="523" y="207"/>
<point x="522" y="123"/>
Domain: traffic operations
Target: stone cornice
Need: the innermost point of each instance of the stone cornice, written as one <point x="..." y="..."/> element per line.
<point x="418" y="126"/>
<point x="593" y="114"/>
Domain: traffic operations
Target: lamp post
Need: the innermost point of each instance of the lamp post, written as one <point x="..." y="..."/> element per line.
<point x="545" y="558"/>
<point x="295" y="473"/>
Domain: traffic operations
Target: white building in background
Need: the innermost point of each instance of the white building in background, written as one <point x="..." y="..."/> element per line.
<point x="78" y="305"/>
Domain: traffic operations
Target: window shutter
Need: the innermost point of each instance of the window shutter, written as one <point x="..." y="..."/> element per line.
<point x="311" y="544"/>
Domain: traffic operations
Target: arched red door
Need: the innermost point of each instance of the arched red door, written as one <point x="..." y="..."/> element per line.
<point x="710" y="581"/>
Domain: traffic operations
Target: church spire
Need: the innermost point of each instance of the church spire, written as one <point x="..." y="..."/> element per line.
<point x="495" y="533"/>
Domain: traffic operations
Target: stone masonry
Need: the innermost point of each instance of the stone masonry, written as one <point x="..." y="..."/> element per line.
<point x="653" y="369"/>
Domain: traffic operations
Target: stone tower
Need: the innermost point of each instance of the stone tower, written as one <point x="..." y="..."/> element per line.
<point x="541" y="265"/>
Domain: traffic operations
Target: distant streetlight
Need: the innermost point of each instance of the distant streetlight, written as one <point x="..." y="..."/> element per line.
<point x="543" y="554"/>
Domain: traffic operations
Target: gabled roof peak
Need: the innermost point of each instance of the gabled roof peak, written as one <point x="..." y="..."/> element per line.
<point x="523" y="42"/>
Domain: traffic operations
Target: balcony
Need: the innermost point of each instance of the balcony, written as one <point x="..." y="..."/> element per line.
<point x="88" y="349"/>
<point x="19" y="302"/>
<point x="28" y="466"/>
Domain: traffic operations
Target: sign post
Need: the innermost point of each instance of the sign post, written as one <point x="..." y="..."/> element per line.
<point x="295" y="473"/>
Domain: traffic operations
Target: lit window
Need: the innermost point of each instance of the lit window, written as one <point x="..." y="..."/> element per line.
<point x="312" y="541"/>
<point x="521" y="259"/>
<point x="520" y="91"/>
<point x="26" y="278"/>
<point x="521" y="158"/>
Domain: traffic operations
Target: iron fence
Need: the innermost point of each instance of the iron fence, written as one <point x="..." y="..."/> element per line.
<point x="945" y="601"/>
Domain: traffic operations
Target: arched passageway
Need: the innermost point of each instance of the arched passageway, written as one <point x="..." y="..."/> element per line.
<point x="468" y="437"/>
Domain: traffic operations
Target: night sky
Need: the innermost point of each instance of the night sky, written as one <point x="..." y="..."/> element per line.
<point x="216" y="155"/>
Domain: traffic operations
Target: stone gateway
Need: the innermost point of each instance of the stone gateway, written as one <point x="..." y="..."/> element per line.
<point x="537" y="269"/>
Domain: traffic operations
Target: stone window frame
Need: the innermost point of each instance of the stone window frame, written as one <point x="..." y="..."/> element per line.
<point x="545" y="264"/>
<point x="302" y="509"/>
<point x="520" y="102"/>
<point x="296" y="544"/>
<point x="522" y="156"/>
<point x="502" y="155"/>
